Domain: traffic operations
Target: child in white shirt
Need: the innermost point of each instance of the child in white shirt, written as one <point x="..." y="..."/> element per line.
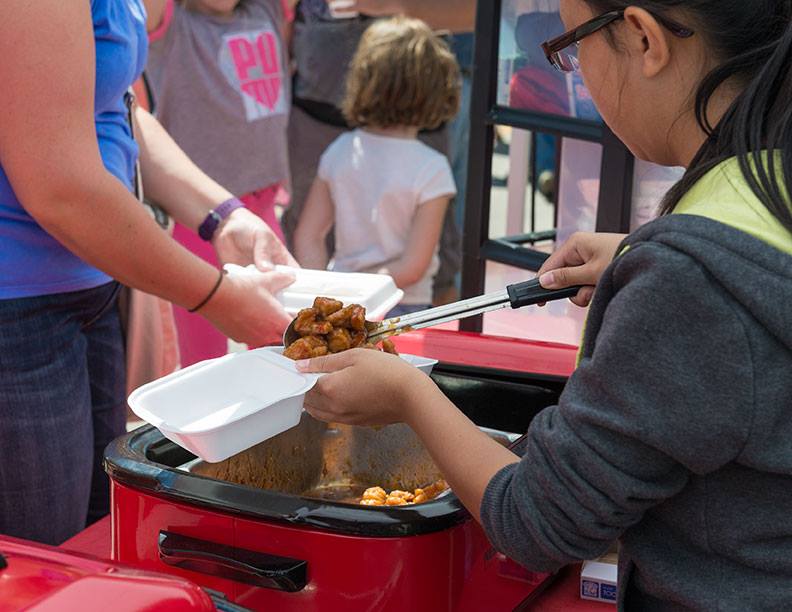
<point x="382" y="191"/>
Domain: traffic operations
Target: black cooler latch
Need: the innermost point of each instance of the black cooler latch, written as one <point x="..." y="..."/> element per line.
<point x="3" y="562"/>
<point x="239" y="564"/>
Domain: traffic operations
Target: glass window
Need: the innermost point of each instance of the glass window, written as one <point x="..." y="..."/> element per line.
<point x="579" y="187"/>
<point x="526" y="80"/>
<point x="515" y="207"/>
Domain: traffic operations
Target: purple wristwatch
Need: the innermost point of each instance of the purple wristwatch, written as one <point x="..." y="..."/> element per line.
<point x="209" y="226"/>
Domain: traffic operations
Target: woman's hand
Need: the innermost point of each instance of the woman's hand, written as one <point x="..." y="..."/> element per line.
<point x="244" y="239"/>
<point x="173" y="181"/>
<point x="366" y="387"/>
<point x="245" y="309"/>
<point x="581" y="260"/>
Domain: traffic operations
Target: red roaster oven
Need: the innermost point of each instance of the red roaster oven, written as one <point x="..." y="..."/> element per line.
<point x="41" y="578"/>
<point x="269" y="528"/>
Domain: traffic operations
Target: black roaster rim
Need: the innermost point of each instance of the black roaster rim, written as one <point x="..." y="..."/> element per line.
<point x="126" y="463"/>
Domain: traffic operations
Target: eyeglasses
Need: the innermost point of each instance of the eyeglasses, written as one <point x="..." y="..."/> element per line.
<point x="562" y="51"/>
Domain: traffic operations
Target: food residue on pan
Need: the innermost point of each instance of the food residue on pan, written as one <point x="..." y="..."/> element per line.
<point x="330" y="327"/>
<point x="377" y="496"/>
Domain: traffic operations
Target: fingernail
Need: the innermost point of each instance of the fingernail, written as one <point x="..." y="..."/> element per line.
<point x="303" y="364"/>
<point x="547" y="280"/>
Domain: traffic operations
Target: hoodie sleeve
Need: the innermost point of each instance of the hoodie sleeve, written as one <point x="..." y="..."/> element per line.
<point x="666" y="391"/>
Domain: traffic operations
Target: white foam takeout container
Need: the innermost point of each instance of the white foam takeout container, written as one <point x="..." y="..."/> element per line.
<point x="377" y="293"/>
<point x="221" y="407"/>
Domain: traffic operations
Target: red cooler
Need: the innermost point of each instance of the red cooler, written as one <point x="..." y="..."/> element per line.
<point x="45" y="579"/>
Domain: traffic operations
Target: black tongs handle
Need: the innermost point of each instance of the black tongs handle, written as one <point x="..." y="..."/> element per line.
<point x="531" y="292"/>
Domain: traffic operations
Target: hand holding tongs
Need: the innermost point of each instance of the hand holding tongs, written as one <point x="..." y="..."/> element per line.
<point x="516" y="296"/>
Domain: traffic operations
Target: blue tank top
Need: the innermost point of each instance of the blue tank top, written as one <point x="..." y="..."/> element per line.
<point x="31" y="261"/>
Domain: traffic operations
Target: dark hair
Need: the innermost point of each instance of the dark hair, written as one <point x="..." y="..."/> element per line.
<point x="753" y="42"/>
<point x="402" y="74"/>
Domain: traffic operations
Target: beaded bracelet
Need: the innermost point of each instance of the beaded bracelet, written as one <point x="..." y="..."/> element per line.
<point x="211" y="293"/>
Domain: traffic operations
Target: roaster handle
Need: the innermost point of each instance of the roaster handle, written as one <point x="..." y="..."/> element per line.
<point x="239" y="564"/>
<point x="531" y="292"/>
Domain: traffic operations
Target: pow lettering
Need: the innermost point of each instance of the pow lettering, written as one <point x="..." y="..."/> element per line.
<point x="252" y="62"/>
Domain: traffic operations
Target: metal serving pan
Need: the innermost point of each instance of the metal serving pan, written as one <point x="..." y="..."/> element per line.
<point x="305" y="477"/>
<point x="335" y="463"/>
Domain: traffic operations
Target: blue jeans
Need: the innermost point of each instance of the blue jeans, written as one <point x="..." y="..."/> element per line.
<point x="62" y="400"/>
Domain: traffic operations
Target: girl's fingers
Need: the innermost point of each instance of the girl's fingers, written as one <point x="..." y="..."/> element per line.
<point x="268" y="250"/>
<point x="315" y="401"/>
<point x="277" y="281"/>
<point x="567" y="255"/>
<point x="583" y="297"/>
<point x="555" y="260"/>
<point x="566" y="277"/>
<point x="327" y="363"/>
<point x="319" y="414"/>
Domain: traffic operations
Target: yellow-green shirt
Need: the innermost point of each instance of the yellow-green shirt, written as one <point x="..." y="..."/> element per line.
<point x="723" y="195"/>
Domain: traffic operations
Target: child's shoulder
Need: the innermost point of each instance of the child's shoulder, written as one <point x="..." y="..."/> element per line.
<point x="341" y="145"/>
<point x="336" y="155"/>
<point x="434" y="177"/>
<point x="429" y="154"/>
<point x="429" y="161"/>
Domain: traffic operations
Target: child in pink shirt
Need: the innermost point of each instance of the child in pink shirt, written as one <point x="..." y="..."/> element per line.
<point x="221" y="87"/>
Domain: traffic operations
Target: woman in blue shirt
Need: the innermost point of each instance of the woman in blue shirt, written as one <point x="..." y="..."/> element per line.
<point x="69" y="226"/>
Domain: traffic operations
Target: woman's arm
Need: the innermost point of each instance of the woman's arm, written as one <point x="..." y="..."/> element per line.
<point x="49" y="151"/>
<point x="316" y="221"/>
<point x="421" y="245"/>
<point x="174" y="182"/>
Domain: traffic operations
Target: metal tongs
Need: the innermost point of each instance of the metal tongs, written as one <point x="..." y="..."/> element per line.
<point x="517" y="295"/>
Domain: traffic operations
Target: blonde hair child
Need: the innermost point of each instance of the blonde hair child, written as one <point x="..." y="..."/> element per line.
<point x="382" y="192"/>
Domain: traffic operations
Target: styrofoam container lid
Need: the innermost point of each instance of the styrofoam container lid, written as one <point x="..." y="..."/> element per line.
<point x="377" y="293"/>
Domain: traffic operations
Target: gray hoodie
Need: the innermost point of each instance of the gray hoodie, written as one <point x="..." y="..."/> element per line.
<point x="674" y="435"/>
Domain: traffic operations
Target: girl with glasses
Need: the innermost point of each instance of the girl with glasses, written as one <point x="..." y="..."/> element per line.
<point x="673" y="434"/>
